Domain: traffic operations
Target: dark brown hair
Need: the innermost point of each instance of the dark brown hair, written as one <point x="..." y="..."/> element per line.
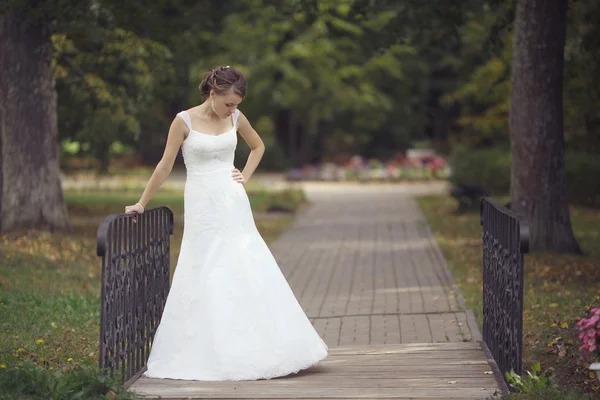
<point x="223" y="80"/>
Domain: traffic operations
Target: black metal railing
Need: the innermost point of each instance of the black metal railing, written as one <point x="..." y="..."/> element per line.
<point x="505" y="240"/>
<point x="135" y="251"/>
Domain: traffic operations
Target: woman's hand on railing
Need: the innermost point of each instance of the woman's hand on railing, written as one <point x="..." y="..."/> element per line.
<point x="136" y="208"/>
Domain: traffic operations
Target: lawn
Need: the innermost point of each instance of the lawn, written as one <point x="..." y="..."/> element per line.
<point x="49" y="284"/>
<point x="559" y="289"/>
<point x="101" y="203"/>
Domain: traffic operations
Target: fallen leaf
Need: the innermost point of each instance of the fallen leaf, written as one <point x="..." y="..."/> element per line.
<point x="562" y="353"/>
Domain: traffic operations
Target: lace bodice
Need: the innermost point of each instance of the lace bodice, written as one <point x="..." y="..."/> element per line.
<point x="203" y="153"/>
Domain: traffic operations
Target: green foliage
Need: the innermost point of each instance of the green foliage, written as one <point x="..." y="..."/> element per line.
<point x="106" y="75"/>
<point x="489" y="168"/>
<point x="583" y="185"/>
<point x="537" y="385"/>
<point x="483" y="89"/>
<point x="326" y="79"/>
<point x="582" y="86"/>
<point x="119" y="72"/>
<point x="29" y="381"/>
<point x="315" y="64"/>
<point x="534" y="380"/>
<point x="552" y="393"/>
<point x="114" y="201"/>
<point x="287" y="200"/>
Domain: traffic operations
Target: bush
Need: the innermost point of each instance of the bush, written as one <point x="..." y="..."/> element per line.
<point x="282" y="200"/>
<point x="551" y="393"/>
<point x="32" y="382"/>
<point x="489" y="168"/>
<point x="583" y="182"/>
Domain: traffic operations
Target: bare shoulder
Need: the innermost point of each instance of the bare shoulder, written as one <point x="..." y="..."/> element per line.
<point x="242" y="119"/>
<point x="249" y="134"/>
<point x="193" y="110"/>
<point x="179" y="127"/>
<point x="178" y="122"/>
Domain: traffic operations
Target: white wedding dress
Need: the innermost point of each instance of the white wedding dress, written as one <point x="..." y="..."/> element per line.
<point x="230" y="313"/>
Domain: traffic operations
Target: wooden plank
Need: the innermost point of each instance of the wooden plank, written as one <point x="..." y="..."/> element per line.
<point x="405" y="348"/>
<point x="456" y="370"/>
<point x="395" y="370"/>
<point x="439" y="380"/>
<point x="190" y="392"/>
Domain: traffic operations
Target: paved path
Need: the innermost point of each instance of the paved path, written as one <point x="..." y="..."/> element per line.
<point x="366" y="269"/>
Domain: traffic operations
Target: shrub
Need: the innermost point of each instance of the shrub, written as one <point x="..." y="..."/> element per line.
<point x="489" y="168"/>
<point x="32" y="382"/>
<point x="537" y="385"/>
<point x="583" y="182"/>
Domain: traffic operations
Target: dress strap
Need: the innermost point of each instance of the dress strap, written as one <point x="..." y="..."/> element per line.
<point x="186" y="118"/>
<point x="235" y="116"/>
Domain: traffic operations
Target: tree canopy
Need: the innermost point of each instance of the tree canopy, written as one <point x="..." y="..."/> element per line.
<point x="325" y="77"/>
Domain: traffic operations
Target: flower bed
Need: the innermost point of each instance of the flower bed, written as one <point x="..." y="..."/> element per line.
<point x="360" y="169"/>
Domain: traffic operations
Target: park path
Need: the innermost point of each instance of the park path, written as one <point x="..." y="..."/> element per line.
<point x="367" y="271"/>
<point x="365" y="267"/>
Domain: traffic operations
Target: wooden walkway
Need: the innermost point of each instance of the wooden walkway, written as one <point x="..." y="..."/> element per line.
<point x="369" y="275"/>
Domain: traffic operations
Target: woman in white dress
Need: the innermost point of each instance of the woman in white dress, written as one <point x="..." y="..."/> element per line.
<point x="230" y="313"/>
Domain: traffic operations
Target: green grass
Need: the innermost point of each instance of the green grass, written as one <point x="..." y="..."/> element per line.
<point x="103" y="203"/>
<point x="559" y="289"/>
<point x="50" y="286"/>
<point x="552" y="393"/>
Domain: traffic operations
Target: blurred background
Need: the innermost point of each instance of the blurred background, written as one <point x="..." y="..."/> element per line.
<point x="401" y="86"/>
<point x="340" y="90"/>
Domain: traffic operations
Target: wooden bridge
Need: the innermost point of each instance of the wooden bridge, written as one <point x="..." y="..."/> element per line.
<point x="368" y="273"/>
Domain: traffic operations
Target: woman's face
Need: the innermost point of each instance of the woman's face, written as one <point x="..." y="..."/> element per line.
<point x="224" y="105"/>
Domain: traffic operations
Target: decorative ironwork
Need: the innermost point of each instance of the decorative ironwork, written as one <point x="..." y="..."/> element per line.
<point x="505" y="240"/>
<point x="135" y="251"/>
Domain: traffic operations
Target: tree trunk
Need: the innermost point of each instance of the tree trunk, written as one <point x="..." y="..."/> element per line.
<point x="286" y="135"/>
<point x="538" y="180"/>
<point x="31" y="194"/>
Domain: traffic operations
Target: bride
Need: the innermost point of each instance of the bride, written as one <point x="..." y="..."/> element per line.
<point x="230" y="313"/>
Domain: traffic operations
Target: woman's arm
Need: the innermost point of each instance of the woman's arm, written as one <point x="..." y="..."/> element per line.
<point x="163" y="169"/>
<point x="257" y="147"/>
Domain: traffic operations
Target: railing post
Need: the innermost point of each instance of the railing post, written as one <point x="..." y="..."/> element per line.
<point x="135" y="251"/>
<point x="505" y="241"/>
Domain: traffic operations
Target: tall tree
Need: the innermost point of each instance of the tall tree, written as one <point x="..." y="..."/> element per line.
<point x="538" y="179"/>
<point x="30" y="193"/>
<point x="310" y="72"/>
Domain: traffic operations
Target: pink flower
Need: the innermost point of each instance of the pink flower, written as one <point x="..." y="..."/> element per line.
<point x="589" y="332"/>
<point x="585" y="338"/>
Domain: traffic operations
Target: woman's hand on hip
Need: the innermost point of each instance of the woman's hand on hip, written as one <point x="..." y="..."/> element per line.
<point x="237" y="176"/>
